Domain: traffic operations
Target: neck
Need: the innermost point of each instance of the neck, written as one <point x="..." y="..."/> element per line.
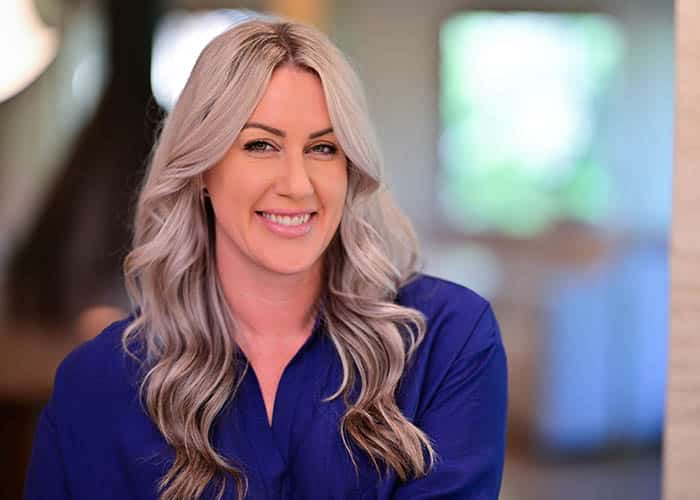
<point x="268" y="306"/>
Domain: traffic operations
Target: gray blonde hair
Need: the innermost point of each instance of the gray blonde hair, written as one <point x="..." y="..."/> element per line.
<point x="184" y="324"/>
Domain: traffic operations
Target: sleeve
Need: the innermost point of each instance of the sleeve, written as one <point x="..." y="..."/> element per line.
<point x="466" y="421"/>
<point x="45" y="478"/>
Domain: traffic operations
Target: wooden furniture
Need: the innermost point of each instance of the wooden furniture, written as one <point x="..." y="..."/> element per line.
<point x="682" y="437"/>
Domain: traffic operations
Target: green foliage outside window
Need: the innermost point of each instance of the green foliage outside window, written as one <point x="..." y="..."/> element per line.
<point x="522" y="96"/>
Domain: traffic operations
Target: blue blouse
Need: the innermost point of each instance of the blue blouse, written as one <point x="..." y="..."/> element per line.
<point x="94" y="440"/>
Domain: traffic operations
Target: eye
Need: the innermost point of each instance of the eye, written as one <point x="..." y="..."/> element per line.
<point x="324" y="149"/>
<point x="259" y="146"/>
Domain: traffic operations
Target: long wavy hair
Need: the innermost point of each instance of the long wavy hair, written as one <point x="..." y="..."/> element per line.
<point x="184" y="325"/>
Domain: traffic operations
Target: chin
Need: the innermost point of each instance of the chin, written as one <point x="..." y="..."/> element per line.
<point x="290" y="267"/>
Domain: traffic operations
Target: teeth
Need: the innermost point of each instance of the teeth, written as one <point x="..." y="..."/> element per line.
<point x="285" y="220"/>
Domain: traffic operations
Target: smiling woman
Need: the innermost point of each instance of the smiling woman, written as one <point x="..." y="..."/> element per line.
<point x="279" y="191"/>
<point x="282" y="336"/>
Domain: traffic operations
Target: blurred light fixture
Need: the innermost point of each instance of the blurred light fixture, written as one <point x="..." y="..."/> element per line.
<point x="27" y="46"/>
<point x="179" y="39"/>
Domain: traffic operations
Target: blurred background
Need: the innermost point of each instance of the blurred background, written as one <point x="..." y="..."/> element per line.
<point x="530" y="141"/>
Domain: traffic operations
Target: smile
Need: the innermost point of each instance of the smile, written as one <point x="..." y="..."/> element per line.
<point x="288" y="225"/>
<point x="287" y="220"/>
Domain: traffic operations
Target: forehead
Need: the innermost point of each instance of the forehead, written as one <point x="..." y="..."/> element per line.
<point x="293" y="101"/>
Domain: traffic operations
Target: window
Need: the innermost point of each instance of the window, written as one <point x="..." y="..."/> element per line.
<point x="522" y="96"/>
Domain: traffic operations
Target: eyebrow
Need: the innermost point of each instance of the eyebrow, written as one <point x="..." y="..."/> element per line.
<point x="281" y="133"/>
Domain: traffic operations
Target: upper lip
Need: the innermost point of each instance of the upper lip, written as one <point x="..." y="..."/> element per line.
<point x="277" y="211"/>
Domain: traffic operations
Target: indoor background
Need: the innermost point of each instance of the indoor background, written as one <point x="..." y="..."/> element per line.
<point x="532" y="147"/>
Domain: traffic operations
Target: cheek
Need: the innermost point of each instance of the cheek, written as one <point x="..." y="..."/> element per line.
<point x="237" y="188"/>
<point x="232" y="203"/>
<point x="335" y="189"/>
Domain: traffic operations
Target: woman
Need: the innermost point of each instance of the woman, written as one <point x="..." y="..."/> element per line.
<point x="283" y="343"/>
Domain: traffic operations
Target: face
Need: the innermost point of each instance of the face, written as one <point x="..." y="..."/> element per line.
<point x="279" y="192"/>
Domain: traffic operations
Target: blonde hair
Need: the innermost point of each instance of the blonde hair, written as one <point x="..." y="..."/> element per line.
<point x="189" y="366"/>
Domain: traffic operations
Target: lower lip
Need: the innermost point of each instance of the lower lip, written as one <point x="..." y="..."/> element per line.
<point x="287" y="231"/>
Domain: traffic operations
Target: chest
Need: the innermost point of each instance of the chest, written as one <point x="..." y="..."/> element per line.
<point x="268" y="376"/>
<point x="300" y="453"/>
<point x="269" y="363"/>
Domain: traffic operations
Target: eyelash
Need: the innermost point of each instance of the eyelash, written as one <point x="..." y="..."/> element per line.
<point x="255" y="146"/>
<point x="259" y="146"/>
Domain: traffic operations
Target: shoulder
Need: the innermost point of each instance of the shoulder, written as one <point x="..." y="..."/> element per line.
<point x="462" y="334"/>
<point x="455" y="314"/>
<point x="96" y="372"/>
<point x="427" y="290"/>
<point x="97" y="358"/>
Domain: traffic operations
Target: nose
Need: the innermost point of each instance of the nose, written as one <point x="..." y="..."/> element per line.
<point x="294" y="180"/>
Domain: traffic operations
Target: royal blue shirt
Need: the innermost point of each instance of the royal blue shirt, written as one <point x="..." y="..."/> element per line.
<point x="94" y="439"/>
